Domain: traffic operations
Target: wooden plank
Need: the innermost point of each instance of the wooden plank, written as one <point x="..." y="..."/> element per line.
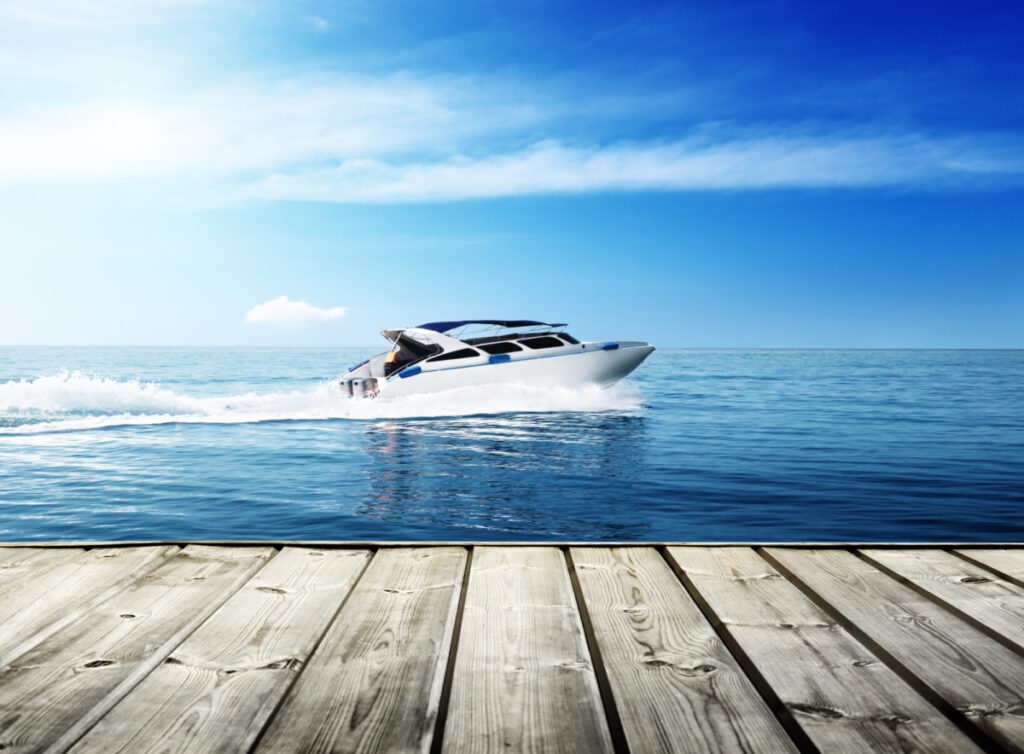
<point x="17" y="565"/>
<point x="60" y="687"/>
<point x="523" y="678"/>
<point x="980" y="679"/>
<point x="675" y="685"/>
<point x="10" y="557"/>
<point x="374" y="683"/>
<point x="46" y="602"/>
<point x="1007" y="561"/>
<point x="995" y="604"/>
<point x="217" y="690"/>
<point x="375" y="543"/>
<point x="841" y="695"/>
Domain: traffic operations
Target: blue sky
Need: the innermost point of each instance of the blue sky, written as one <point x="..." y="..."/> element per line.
<point x="777" y="174"/>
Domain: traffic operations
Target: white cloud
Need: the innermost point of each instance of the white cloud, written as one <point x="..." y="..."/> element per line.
<point x="72" y="110"/>
<point x="281" y="310"/>
<point x="251" y="126"/>
<point x="695" y="164"/>
<point x="407" y="138"/>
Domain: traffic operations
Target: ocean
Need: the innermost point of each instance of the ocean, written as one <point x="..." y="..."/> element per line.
<point x="696" y="445"/>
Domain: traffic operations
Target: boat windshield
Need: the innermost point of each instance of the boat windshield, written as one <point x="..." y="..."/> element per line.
<point x="476" y="334"/>
<point x="406" y="352"/>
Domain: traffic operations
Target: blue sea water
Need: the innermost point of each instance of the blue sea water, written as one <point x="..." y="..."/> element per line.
<point x="697" y="445"/>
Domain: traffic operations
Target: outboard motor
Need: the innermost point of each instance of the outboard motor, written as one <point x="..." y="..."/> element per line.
<point x="359" y="387"/>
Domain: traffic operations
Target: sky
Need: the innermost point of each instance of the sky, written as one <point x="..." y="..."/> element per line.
<point x="694" y="174"/>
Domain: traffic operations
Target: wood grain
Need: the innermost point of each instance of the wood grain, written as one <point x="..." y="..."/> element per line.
<point x="866" y="662"/>
<point x="19" y="564"/>
<point x="523" y="678"/>
<point x="994" y="603"/>
<point x="675" y="685"/>
<point x="217" y="690"/>
<point x="374" y="683"/>
<point x="980" y="678"/>
<point x="841" y="695"/>
<point x="55" y="692"/>
<point x="1008" y="561"/>
<point x="38" y="606"/>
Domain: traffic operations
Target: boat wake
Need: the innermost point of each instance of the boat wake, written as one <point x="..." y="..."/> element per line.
<point x="72" y="401"/>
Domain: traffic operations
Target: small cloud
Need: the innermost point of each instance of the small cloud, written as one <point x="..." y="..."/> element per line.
<point x="282" y="311"/>
<point x="320" y="24"/>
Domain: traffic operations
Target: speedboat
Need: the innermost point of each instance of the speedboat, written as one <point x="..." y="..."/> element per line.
<point x="444" y="355"/>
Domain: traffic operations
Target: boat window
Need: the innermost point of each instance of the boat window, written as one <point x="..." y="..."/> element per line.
<point x="503" y="347"/>
<point x="545" y="341"/>
<point x="462" y="353"/>
<point x="408" y="352"/>
<point x="568" y="338"/>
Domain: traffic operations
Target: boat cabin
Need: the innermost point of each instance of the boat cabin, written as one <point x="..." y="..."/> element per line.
<point x="466" y="339"/>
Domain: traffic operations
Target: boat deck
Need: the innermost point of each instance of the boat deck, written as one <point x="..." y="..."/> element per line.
<point x="334" y="647"/>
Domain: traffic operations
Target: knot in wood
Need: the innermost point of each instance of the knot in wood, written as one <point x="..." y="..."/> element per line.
<point x="288" y="663"/>
<point x="574" y="665"/>
<point x="703" y="669"/>
<point x="270" y="590"/>
<point x="827" y="713"/>
<point x="893" y="720"/>
<point x="988" y="710"/>
<point x="654" y="662"/>
<point x="974" y="580"/>
<point x="98" y="663"/>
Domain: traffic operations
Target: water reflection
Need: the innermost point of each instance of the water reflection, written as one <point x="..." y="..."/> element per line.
<point x="496" y="477"/>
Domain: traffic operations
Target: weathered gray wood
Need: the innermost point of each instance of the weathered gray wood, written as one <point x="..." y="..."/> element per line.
<point x="364" y="543"/>
<point x="523" y="678"/>
<point x="1009" y="561"/>
<point x="54" y="692"/>
<point x="837" y="691"/>
<point x="19" y="564"/>
<point x="216" y="690"/>
<point x="38" y="606"/>
<point x="675" y="685"/>
<point x="374" y="683"/>
<point x="979" y="677"/>
<point x="10" y="557"/>
<point x="996" y="604"/>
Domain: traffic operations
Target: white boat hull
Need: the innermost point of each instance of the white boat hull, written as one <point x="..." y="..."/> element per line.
<point x="601" y="367"/>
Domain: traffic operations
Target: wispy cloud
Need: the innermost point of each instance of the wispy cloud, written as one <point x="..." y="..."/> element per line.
<point x="283" y="311"/>
<point x="248" y="126"/>
<point x="408" y="137"/>
<point x="693" y="164"/>
<point x="403" y="138"/>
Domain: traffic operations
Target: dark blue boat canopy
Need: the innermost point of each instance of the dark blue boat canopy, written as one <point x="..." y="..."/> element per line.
<point x="446" y="326"/>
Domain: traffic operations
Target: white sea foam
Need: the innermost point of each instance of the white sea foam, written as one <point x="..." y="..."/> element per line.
<point x="75" y="401"/>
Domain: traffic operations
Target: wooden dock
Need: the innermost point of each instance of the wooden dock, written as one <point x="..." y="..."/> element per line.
<point x="338" y="647"/>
